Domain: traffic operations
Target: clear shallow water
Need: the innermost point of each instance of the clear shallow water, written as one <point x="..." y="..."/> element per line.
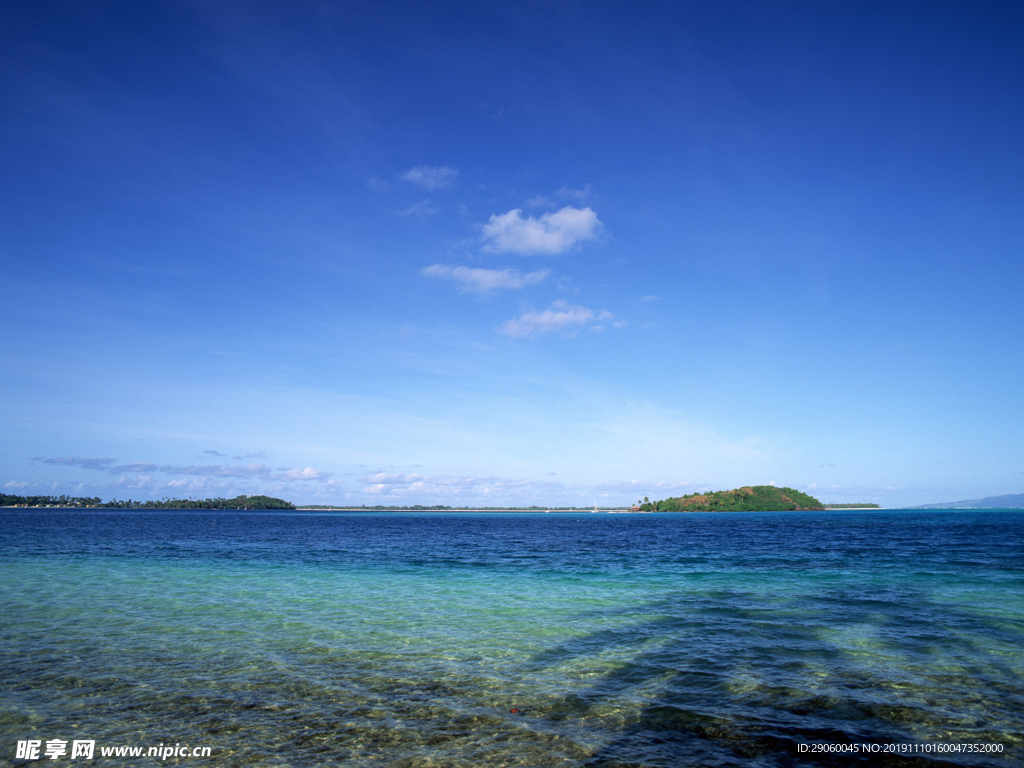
<point x="406" y="640"/>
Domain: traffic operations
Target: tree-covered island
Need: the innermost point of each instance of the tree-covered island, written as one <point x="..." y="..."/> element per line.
<point x="11" y="500"/>
<point x="751" y="498"/>
<point x="239" y="502"/>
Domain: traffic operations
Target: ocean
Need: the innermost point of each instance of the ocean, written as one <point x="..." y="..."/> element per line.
<point x="543" y="640"/>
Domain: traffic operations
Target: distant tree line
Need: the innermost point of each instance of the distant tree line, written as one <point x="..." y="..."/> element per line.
<point x="413" y="508"/>
<point x="9" y="500"/>
<point x="239" y="502"/>
<point x="852" y="506"/>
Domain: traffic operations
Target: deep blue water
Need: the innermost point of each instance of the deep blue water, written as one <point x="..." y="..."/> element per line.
<point x="515" y="639"/>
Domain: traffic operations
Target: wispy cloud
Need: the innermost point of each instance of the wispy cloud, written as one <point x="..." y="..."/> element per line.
<point x="422" y="208"/>
<point x="391" y="478"/>
<point x="648" y="298"/>
<point x="217" y="470"/>
<point x="604" y="317"/>
<point x="432" y="176"/>
<point x="560" y="317"/>
<point x="453" y="487"/>
<point x="136" y="483"/>
<point x="647" y="487"/>
<point x="254" y="470"/>
<point x="484" y="281"/>
<point x="551" y="233"/>
<point x="401" y="488"/>
<point x="79" y="462"/>
<point x="216" y="453"/>
<point x="575" y="193"/>
<point x="138" y="466"/>
<point x="308" y="473"/>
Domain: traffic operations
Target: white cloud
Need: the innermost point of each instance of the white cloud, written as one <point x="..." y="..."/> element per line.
<point x="559" y="317"/>
<point x="255" y="470"/>
<point x="432" y="176"/>
<point x="76" y="461"/>
<point x="204" y="485"/>
<point x="204" y="475"/>
<point x="302" y="474"/>
<point x="138" y="466"/>
<point x="575" y="194"/>
<point x="422" y="208"/>
<point x="552" y="233"/>
<point x="483" y="281"/>
<point x="647" y="488"/>
<point x="221" y="470"/>
<point x="452" y="489"/>
<point x="137" y="483"/>
<point x="390" y="478"/>
<point x="647" y="299"/>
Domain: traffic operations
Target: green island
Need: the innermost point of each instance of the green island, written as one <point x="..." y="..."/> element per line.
<point x="9" y="500"/>
<point x="751" y="498"/>
<point x="239" y="502"/>
<point x="865" y="505"/>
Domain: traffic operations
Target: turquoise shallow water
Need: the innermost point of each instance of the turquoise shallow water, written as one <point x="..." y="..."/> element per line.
<point x="618" y="640"/>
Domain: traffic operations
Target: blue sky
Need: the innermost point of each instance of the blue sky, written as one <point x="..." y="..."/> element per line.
<point x="551" y="253"/>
